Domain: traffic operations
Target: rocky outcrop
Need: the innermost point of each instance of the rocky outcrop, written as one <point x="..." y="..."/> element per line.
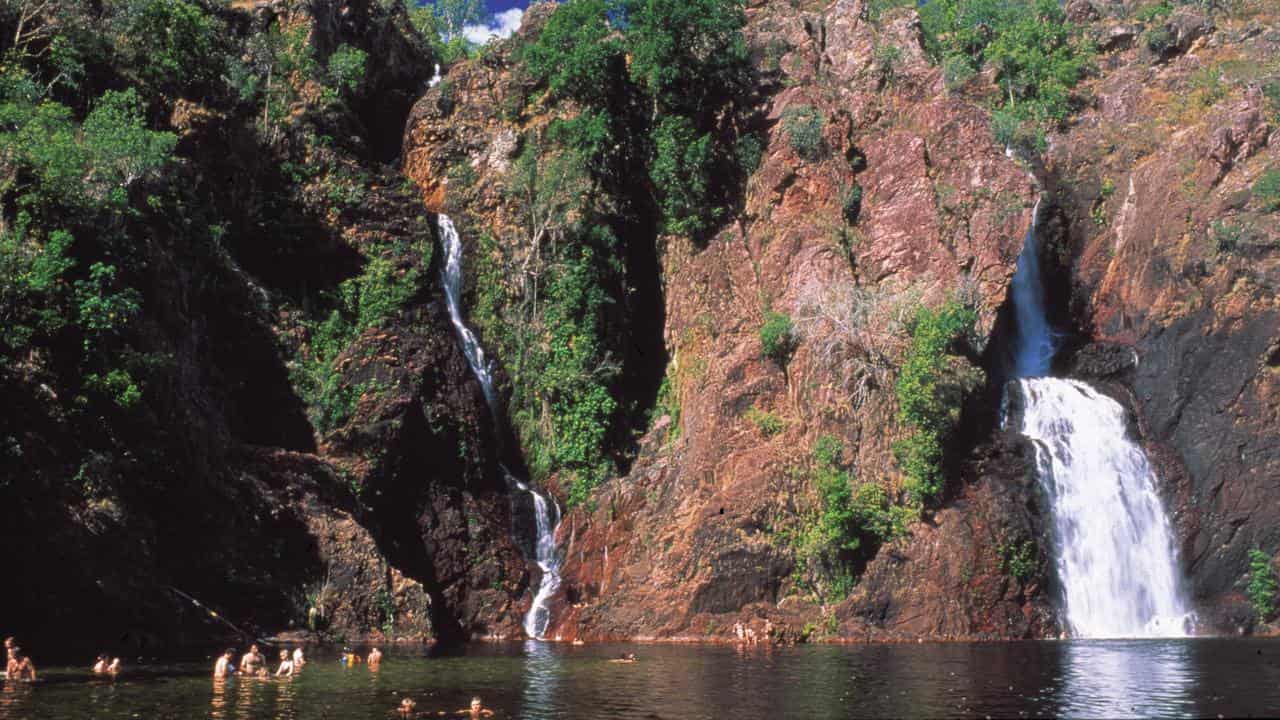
<point x="694" y="537"/>
<point x="1173" y="259"/>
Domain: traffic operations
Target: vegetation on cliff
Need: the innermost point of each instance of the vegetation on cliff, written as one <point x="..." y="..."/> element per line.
<point x="558" y="315"/>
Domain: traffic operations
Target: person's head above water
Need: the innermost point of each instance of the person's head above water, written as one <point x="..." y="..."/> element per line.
<point x="476" y="704"/>
<point x="284" y="654"/>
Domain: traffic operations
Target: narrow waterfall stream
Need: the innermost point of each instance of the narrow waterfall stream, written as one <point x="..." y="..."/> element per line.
<point x="546" y="511"/>
<point x="1114" y="550"/>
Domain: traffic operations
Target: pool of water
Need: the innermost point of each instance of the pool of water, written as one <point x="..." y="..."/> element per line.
<point x="1122" y="678"/>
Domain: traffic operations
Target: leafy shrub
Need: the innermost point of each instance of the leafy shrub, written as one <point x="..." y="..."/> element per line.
<point x="1267" y="189"/>
<point x="777" y="337"/>
<point x="346" y="67"/>
<point x="887" y="57"/>
<point x="748" y="151"/>
<point x="681" y="172"/>
<point x="924" y="405"/>
<point x="1019" y="559"/>
<point x="1262" y="585"/>
<point x="1038" y="56"/>
<point x="575" y="55"/>
<point x="1159" y="40"/>
<point x="360" y="303"/>
<point x="803" y="125"/>
<point x="768" y="423"/>
<point x="851" y="207"/>
<point x="1225" y="236"/>
<point x="957" y="71"/>
<point x="171" y="44"/>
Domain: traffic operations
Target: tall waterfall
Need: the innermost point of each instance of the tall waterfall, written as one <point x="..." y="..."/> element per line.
<point x="1115" y="554"/>
<point x="546" y="512"/>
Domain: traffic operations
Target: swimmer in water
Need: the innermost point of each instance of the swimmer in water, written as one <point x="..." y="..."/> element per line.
<point x="223" y="667"/>
<point x="374" y="659"/>
<point x="114" y="667"/>
<point x="100" y="667"/>
<point x="476" y="710"/>
<point x="263" y="673"/>
<point x="406" y="706"/>
<point x="298" y="660"/>
<point x="286" y="665"/>
<point x="625" y="658"/>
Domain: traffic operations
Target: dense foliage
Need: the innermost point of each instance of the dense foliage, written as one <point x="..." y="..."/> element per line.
<point x="97" y="197"/>
<point x="1036" y="53"/>
<point x="928" y="403"/>
<point x="1262" y="587"/>
<point x="851" y="521"/>
<point x="555" y="310"/>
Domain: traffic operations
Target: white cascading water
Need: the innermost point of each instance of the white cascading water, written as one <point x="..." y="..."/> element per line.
<point x="1116" y="558"/>
<point x="547" y="555"/>
<point x="546" y="514"/>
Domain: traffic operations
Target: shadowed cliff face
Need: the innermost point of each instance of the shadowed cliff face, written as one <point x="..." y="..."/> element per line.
<point x="221" y="487"/>
<point x="1174" y="257"/>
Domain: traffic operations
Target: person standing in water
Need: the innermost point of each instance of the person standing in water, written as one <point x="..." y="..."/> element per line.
<point x="298" y="660"/>
<point x="100" y="667"/>
<point x="20" y="667"/>
<point x="114" y="667"/>
<point x="286" y="665"/>
<point x="223" y="667"/>
<point x="250" y="661"/>
<point x="374" y="659"/>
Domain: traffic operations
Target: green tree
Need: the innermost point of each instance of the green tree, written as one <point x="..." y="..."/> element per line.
<point x="172" y="45"/>
<point x="681" y="173"/>
<point x="346" y="67"/>
<point x="689" y="54"/>
<point x="577" y="54"/>
<point x="454" y="15"/>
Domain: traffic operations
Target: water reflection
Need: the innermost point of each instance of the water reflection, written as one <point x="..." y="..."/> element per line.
<point x="536" y="680"/>
<point x="541" y="677"/>
<point x="1127" y="679"/>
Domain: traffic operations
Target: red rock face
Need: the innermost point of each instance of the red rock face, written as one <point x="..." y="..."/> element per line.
<point x="1178" y="262"/>
<point x="692" y="539"/>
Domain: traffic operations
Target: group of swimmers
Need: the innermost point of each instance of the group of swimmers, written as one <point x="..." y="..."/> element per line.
<point x="253" y="664"/>
<point x="475" y="710"/>
<point x="17" y="665"/>
<point x="105" y="666"/>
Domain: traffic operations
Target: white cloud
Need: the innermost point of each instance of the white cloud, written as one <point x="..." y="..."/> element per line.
<point x="502" y="25"/>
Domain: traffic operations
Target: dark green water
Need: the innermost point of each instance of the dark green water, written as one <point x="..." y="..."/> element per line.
<point x="1160" y="678"/>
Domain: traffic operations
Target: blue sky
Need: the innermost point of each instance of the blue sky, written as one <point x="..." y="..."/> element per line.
<point x="497" y="6"/>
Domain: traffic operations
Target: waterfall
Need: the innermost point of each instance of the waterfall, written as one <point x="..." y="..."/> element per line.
<point x="452" y="294"/>
<point x="1034" y="351"/>
<point x="1114" y="547"/>
<point x="547" y="555"/>
<point x="546" y="514"/>
<point x="435" y="77"/>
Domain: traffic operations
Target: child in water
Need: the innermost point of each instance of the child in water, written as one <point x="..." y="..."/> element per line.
<point x="286" y="665"/>
<point x="100" y="667"/>
<point x="476" y="710"/>
<point x="406" y="706"/>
